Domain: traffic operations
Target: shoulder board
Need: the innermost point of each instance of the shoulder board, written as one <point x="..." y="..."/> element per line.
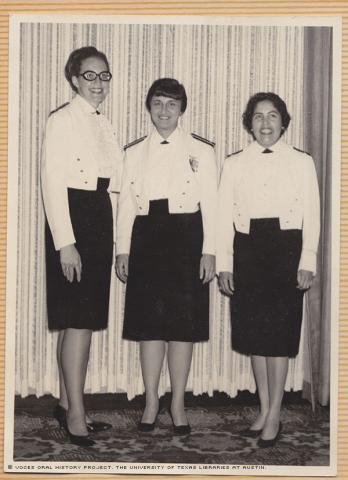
<point x="302" y="151"/>
<point x="234" y="153"/>
<point x="138" y="140"/>
<point x="197" y="137"/>
<point x="58" y="108"/>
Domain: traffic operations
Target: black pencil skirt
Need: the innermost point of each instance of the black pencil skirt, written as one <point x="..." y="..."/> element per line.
<point x="266" y="307"/>
<point x="165" y="299"/>
<point x="83" y="304"/>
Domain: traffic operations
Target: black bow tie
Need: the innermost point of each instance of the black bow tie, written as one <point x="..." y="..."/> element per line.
<point x="164" y="142"/>
<point x="267" y="150"/>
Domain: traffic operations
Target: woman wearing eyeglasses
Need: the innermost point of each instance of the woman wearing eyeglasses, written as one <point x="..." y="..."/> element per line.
<point x="81" y="164"/>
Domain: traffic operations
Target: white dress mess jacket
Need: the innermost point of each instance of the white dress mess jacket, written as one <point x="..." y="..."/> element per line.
<point x="79" y="146"/>
<point x="192" y="184"/>
<point x="295" y="197"/>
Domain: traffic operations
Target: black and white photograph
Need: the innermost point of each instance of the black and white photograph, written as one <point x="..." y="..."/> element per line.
<point x="173" y="245"/>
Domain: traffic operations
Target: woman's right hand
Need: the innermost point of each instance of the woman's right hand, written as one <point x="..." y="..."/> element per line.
<point x="70" y="260"/>
<point x="226" y="284"/>
<point x="122" y="266"/>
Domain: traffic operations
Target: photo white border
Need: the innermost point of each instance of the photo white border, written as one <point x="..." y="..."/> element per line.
<point x="333" y="21"/>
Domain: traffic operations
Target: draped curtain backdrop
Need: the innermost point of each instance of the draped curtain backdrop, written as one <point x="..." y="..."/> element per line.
<point x="220" y="66"/>
<point x="317" y="138"/>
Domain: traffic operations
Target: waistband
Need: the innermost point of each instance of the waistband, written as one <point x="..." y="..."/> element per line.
<point x="102" y="186"/>
<point x="270" y="224"/>
<point x="103" y="183"/>
<point x="161" y="207"/>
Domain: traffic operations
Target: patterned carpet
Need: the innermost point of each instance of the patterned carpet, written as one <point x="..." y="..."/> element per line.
<point x="214" y="439"/>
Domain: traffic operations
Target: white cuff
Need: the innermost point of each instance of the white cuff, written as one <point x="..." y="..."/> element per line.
<point x="209" y="247"/>
<point x="123" y="246"/>
<point x="61" y="241"/>
<point x="308" y="261"/>
<point x="224" y="263"/>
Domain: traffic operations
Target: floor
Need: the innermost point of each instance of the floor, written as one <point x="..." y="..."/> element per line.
<point x="215" y="439"/>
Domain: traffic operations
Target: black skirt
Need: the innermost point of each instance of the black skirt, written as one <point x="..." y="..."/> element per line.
<point x="165" y="299"/>
<point x="83" y="304"/>
<point x="266" y="307"/>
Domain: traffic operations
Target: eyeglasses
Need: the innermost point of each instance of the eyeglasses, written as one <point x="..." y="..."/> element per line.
<point x="90" y="76"/>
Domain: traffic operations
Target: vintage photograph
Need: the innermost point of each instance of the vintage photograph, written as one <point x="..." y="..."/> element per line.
<point x="173" y="245"/>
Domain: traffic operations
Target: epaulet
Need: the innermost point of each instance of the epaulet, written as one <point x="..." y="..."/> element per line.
<point x="234" y="153"/>
<point x="302" y="151"/>
<point x="138" y="140"/>
<point x="197" y="137"/>
<point x="58" y="108"/>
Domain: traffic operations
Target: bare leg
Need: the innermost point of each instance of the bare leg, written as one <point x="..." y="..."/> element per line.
<point x="63" y="398"/>
<point x="277" y="368"/>
<point x="179" y="362"/>
<point x="151" y="358"/>
<point x="259" y="366"/>
<point x="74" y="360"/>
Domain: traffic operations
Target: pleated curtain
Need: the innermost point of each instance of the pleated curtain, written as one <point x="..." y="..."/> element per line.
<point x="317" y="135"/>
<point x="220" y="67"/>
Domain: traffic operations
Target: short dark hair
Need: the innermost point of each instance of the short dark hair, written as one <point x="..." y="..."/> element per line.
<point x="76" y="57"/>
<point x="167" y="87"/>
<point x="278" y="103"/>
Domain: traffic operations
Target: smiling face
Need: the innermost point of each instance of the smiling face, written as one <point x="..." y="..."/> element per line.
<point x="165" y="113"/>
<point x="266" y="123"/>
<point x="93" y="92"/>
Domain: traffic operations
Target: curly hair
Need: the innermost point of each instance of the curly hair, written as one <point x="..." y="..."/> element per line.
<point x="277" y="102"/>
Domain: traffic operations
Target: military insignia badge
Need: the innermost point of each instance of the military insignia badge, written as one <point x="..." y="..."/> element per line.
<point x="194" y="163"/>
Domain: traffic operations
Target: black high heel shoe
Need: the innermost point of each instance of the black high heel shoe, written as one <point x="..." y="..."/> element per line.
<point x="179" y="429"/>
<point x="145" y="427"/>
<point x="80" y="440"/>
<point x="272" y="441"/>
<point x="59" y="414"/>
<point x="95" y="427"/>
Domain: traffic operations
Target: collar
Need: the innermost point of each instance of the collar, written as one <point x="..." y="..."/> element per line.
<point x="157" y="139"/>
<point x="83" y="105"/>
<point x="276" y="147"/>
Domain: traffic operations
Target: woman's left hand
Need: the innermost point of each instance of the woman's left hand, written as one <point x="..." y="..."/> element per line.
<point x="207" y="268"/>
<point x="304" y="279"/>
